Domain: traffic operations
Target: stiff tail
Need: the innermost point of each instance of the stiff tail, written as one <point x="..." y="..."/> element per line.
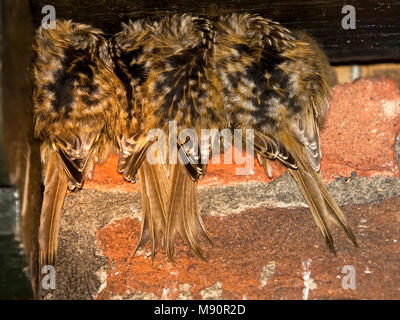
<point x="183" y="213"/>
<point x="335" y="212"/>
<point x="55" y="188"/>
<point x="323" y="207"/>
<point x="154" y="187"/>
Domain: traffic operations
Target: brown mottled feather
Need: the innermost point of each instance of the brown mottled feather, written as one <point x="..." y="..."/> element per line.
<point x="278" y="83"/>
<point x="323" y="207"/>
<point x="55" y="188"/>
<point x="154" y="188"/>
<point x="78" y="104"/>
<point x="183" y="213"/>
<point x="165" y="65"/>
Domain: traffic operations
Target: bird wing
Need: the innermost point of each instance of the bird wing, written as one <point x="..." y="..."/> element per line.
<point x="271" y="148"/>
<point x="73" y="152"/>
<point x="131" y="157"/>
<point x="305" y="129"/>
<point x="192" y="161"/>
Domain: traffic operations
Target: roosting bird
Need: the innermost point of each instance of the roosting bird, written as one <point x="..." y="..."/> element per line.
<point x="167" y="68"/>
<point x="279" y="84"/>
<point x="240" y="71"/>
<point x="77" y="109"/>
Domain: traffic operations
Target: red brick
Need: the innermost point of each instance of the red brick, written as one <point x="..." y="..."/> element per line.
<point x="285" y="242"/>
<point x="361" y="129"/>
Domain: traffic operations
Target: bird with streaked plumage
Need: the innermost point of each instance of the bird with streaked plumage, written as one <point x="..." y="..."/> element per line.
<point x="167" y="68"/>
<point x="78" y="104"/>
<point x="278" y="83"/>
<point x="240" y="71"/>
<point x="237" y="71"/>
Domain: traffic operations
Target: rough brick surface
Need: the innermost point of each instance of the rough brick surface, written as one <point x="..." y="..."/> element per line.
<point x="361" y="129"/>
<point x="262" y="254"/>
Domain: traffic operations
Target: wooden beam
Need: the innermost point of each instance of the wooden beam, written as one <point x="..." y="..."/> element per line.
<point x="376" y="37"/>
<point x="21" y="149"/>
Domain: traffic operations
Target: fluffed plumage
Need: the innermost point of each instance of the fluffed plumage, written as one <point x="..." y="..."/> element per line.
<point x="167" y="69"/>
<point x="77" y="103"/>
<point x="278" y="83"/>
<point x="240" y="71"/>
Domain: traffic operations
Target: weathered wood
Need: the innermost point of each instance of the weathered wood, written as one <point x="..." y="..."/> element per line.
<point x="376" y="37"/>
<point x="20" y="148"/>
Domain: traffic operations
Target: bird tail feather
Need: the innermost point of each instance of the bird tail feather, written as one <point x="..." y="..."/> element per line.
<point x="323" y="207"/>
<point x="183" y="213"/>
<point x="55" y="188"/>
<point x="154" y="187"/>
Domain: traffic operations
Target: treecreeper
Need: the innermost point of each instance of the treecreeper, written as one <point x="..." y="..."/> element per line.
<point x="237" y="71"/>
